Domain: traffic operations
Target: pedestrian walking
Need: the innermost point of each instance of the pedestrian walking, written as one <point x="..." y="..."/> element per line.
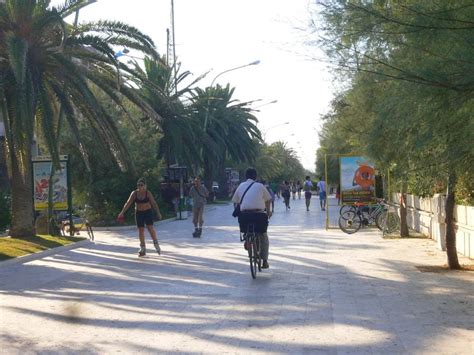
<point x="275" y="188"/>
<point x="255" y="210"/>
<point x="285" y="193"/>
<point x="307" y="186"/>
<point x="321" y="186"/>
<point x="298" y="189"/>
<point x="144" y="205"/>
<point x="293" y="190"/>
<point x="272" y="194"/>
<point x="199" y="194"/>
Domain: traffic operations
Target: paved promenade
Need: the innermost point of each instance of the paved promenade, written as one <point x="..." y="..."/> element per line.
<point x="325" y="292"/>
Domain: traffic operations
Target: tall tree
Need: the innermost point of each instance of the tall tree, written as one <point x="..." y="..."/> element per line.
<point x="228" y="129"/>
<point x="47" y="69"/>
<point x="169" y="96"/>
<point x="419" y="53"/>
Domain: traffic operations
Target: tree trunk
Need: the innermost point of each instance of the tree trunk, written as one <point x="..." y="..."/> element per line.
<point x="22" y="198"/>
<point x="404" y="233"/>
<point x="451" y="250"/>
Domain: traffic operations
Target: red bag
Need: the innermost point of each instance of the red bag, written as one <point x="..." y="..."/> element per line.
<point x="121" y="219"/>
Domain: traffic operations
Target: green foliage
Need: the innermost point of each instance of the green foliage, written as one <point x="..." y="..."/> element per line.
<point x="5" y="205"/>
<point x="106" y="188"/>
<point x="410" y="99"/>
<point x="276" y="162"/>
<point x="229" y="129"/>
<point x="46" y="73"/>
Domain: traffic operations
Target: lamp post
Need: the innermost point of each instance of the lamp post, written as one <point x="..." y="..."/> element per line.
<point x="265" y="104"/>
<point x="212" y="84"/>
<point x="278" y="125"/>
<point x="76" y="17"/>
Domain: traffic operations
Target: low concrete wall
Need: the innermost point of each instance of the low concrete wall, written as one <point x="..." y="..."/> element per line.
<point x="427" y="216"/>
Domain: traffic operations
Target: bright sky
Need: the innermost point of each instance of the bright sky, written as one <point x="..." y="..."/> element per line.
<point x="219" y="35"/>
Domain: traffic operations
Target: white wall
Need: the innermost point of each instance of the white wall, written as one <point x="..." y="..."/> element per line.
<point x="427" y="216"/>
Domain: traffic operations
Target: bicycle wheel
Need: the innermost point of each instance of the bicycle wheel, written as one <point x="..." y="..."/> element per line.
<point x="252" y="257"/>
<point x="379" y="219"/>
<point x="346" y="208"/>
<point x="257" y="254"/>
<point x="392" y="223"/>
<point x="350" y="222"/>
<point x="89" y="231"/>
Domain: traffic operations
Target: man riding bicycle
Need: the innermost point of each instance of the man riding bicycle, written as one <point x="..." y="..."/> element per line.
<point x="255" y="209"/>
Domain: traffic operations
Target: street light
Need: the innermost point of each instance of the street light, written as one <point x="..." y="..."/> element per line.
<point x="124" y="53"/>
<point x="212" y="84"/>
<point x="265" y="104"/>
<point x="76" y="17"/>
<point x="278" y="125"/>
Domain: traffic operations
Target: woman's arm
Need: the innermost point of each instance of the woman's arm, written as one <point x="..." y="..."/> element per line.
<point x="154" y="204"/>
<point x="129" y="202"/>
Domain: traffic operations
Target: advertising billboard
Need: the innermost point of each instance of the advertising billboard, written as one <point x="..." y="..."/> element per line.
<point x="357" y="180"/>
<point x="41" y="173"/>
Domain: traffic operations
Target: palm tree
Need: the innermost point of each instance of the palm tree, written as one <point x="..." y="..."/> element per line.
<point x="159" y="88"/>
<point x="230" y="131"/>
<point x="47" y="71"/>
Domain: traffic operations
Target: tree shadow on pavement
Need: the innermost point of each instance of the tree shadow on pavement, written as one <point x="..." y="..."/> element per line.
<point x="324" y="293"/>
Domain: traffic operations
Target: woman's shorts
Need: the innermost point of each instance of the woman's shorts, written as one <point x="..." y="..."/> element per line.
<point x="144" y="217"/>
<point x="307" y="195"/>
<point x="322" y="195"/>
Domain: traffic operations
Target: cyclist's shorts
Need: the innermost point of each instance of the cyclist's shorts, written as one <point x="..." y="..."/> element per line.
<point x="144" y="217"/>
<point x="253" y="222"/>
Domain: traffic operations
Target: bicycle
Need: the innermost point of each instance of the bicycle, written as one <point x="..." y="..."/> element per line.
<point x="353" y="217"/>
<point x="369" y="213"/>
<point x="79" y="224"/>
<point x="252" y="243"/>
<point x="389" y="220"/>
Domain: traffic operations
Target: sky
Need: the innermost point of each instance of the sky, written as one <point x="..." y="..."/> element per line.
<point x="217" y="35"/>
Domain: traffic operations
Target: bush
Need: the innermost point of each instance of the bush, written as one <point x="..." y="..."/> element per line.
<point x="5" y="209"/>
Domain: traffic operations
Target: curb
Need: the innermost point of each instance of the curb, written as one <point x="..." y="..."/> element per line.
<point x="41" y="254"/>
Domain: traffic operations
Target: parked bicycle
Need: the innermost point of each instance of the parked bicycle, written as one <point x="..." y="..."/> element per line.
<point x="354" y="217"/>
<point x="79" y="224"/>
<point x="389" y="219"/>
<point x="252" y="243"/>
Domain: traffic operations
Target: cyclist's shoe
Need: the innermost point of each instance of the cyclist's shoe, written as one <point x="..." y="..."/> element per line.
<point x="246" y="245"/>
<point x="265" y="264"/>
<point x="142" y="251"/>
<point x="157" y="247"/>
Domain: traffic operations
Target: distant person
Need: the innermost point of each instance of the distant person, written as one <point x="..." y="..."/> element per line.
<point x="276" y="189"/>
<point x="321" y="186"/>
<point x="298" y="189"/>
<point x="271" y="192"/>
<point x="307" y="186"/>
<point x="293" y="190"/>
<point x="199" y="194"/>
<point x="286" y="194"/>
<point x="338" y="194"/>
<point x="144" y="202"/>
